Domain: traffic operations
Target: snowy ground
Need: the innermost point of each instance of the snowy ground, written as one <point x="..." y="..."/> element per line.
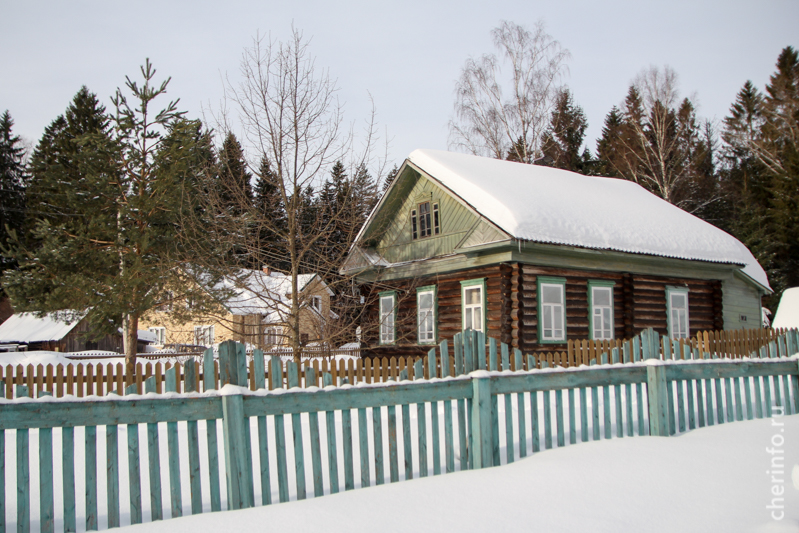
<point x="713" y="479"/>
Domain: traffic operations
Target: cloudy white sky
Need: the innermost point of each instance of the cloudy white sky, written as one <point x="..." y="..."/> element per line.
<point x="407" y="55"/>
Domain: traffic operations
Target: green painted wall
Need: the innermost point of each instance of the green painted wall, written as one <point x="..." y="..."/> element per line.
<point x="396" y="243"/>
<point x="740" y="299"/>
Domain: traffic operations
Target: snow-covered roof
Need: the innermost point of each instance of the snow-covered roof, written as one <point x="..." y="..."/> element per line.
<point x="788" y="311"/>
<point x="549" y="205"/>
<point x="147" y="336"/>
<point x="256" y="292"/>
<point x="24" y="328"/>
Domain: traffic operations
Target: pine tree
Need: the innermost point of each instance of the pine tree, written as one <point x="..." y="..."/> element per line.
<point x="564" y="137"/>
<point x="12" y="191"/>
<point x="132" y="184"/>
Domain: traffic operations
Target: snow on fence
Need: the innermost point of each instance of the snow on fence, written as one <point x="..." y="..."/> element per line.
<point x="476" y="412"/>
<point x="86" y="379"/>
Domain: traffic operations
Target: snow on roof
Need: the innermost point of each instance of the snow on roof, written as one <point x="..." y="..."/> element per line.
<point x="787" y="315"/>
<point x="147" y="336"/>
<point x="549" y="205"/>
<point x="24" y="328"/>
<point x="256" y="292"/>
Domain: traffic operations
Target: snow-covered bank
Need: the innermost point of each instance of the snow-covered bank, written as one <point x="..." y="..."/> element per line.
<point x="711" y="479"/>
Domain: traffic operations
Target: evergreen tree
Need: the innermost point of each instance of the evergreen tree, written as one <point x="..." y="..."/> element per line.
<point x="12" y="190"/>
<point x="234" y="179"/>
<point x="365" y="196"/>
<point x="132" y="184"/>
<point x="761" y="171"/>
<point x="269" y="207"/>
<point x="519" y="152"/>
<point x="659" y="145"/>
<point x="564" y="137"/>
<point x="389" y="179"/>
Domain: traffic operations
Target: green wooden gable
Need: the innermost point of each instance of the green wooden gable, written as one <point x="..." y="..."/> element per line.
<point x="390" y="233"/>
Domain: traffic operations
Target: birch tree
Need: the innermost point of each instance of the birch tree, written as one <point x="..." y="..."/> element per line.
<point x="503" y="100"/>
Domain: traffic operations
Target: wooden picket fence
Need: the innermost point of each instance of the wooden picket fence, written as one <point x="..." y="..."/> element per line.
<point x="463" y="430"/>
<point x="101" y="378"/>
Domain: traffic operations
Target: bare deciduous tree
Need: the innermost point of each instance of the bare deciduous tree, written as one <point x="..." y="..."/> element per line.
<point x="494" y="121"/>
<point x="292" y="132"/>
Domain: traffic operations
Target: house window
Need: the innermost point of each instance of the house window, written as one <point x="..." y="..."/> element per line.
<point x="388" y="311"/>
<point x="600" y="307"/>
<point x="677" y="304"/>
<point x="303" y="338"/>
<point x="316" y="303"/>
<point x="551" y="309"/>
<point x="160" y="335"/>
<point x="425" y="221"/>
<point x="473" y="298"/>
<point x="204" y="335"/>
<point x="426" y="314"/>
<point x="272" y="336"/>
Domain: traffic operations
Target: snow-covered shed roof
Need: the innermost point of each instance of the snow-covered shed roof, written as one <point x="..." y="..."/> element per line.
<point x="24" y="328"/>
<point x="550" y="205"/>
<point x="787" y="315"/>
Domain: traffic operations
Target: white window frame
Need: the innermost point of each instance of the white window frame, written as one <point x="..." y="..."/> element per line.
<point x="316" y="303"/>
<point x="554" y="310"/>
<point x="272" y="335"/>
<point x="679" y="323"/>
<point x="204" y="335"/>
<point x="428" y="334"/>
<point x="467" y="310"/>
<point x="388" y="317"/>
<point x="603" y="332"/>
<point x="160" y="335"/>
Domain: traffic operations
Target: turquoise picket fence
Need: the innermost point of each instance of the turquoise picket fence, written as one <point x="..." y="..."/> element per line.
<point x="369" y="434"/>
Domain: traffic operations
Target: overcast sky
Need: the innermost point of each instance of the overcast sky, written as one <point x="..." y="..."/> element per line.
<point x="407" y="55"/>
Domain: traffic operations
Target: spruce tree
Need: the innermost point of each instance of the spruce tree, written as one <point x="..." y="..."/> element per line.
<point x="234" y="178"/>
<point x="12" y="191"/>
<point x="389" y="179"/>
<point x="564" y="137"/>
<point x="270" y="230"/>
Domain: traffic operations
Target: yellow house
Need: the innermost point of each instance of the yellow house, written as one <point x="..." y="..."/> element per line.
<point x="255" y="312"/>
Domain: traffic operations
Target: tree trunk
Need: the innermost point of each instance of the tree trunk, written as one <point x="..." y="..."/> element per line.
<point x="130" y="337"/>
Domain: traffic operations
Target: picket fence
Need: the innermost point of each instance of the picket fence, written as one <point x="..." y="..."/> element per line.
<point x="88" y="379"/>
<point x="489" y="418"/>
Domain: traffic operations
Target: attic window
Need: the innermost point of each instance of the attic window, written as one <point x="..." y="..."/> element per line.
<point x="425" y="222"/>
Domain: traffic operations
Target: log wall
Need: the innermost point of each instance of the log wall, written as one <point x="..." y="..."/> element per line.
<point x="639" y="303"/>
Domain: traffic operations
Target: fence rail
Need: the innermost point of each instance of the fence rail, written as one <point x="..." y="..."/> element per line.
<point x="476" y="415"/>
<point x="83" y="379"/>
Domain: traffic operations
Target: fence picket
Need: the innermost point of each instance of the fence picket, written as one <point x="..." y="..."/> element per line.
<point x="175" y="495"/>
<point x="293" y="381"/>
<point x="393" y="460"/>
<point x="377" y="428"/>
<point x="154" y="460"/>
<point x="346" y="431"/>
<point x="363" y="447"/>
<point x="276" y="381"/>
<point x="209" y="383"/>
<point x="91" y="477"/>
